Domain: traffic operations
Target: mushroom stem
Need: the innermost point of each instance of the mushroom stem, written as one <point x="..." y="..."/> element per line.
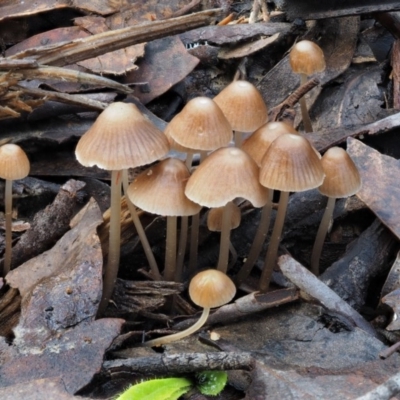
<point x="258" y="241"/>
<point x="170" y="251"/>
<point x="189" y="160"/>
<point x="194" y="243"/>
<point x="321" y="234"/>
<point x="140" y="231"/>
<point x="111" y="271"/>
<point x="272" y="252"/>
<point x="179" y="335"/>
<point x="8" y="210"/>
<point x="238" y="139"/>
<point x="225" y="239"/>
<point x="181" y="248"/>
<point x="303" y="105"/>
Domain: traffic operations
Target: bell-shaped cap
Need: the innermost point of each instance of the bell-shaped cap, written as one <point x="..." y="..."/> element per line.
<point x="121" y="137"/>
<point x="211" y="288"/>
<point x="307" y="58"/>
<point x="201" y="125"/>
<point x="291" y="164"/>
<point x="342" y="178"/>
<point x="258" y="143"/>
<point x="225" y="174"/>
<point x="243" y="106"/>
<point x="214" y="217"/>
<point x="14" y="163"/>
<point x="160" y="189"/>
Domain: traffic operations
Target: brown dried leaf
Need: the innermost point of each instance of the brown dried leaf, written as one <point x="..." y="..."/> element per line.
<point x="380" y="187"/>
<point x="16" y="8"/>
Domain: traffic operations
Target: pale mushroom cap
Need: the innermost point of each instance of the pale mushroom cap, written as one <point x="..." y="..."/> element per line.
<point x="291" y="164"/>
<point x="160" y="189"/>
<point x="14" y="163"/>
<point x="211" y="288"/>
<point x="257" y="144"/>
<point x="200" y="125"/>
<point x="342" y="177"/>
<point x="121" y="137"/>
<point x="307" y="58"/>
<point x="225" y="174"/>
<point x="214" y="217"/>
<point x="243" y="106"/>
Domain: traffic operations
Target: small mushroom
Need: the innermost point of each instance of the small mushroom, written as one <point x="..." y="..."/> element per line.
<point x="342" y="179"/>
<point x="207" y="289"/>
<point x="14" y="164"/>
<point x="306" y="58"/>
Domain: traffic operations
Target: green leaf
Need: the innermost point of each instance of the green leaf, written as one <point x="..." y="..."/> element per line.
<point x="157" y="389"/>
<point x="211" y="383"/>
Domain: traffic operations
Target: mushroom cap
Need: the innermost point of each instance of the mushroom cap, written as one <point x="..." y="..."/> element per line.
<point x="14" y="163"/>
<point x="307" y="58"/>
<point x="243" y="106"/>
<point x="121" y="137"/>
<point x="225" y="174"/>
<point x="201" y="125"/>
<point x="160" y="189"/>
<point x="214" y="217"/>
<point x="257" y="144"/>
<point x="291" y="164"/>
<point x="211" y="288"/>
<point x="342" y="177"/>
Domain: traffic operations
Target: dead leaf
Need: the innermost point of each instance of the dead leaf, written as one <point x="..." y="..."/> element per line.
<point x="16" y="8"/>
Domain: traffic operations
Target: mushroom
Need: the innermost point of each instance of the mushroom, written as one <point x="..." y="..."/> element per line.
<point x="243" y="107"/>
<point x="160" y="190"/>
<point x="306" y="58"/>
<point x="290" y="164"/>
<point x="121" y="137"/>
<point x="342" y="179"/>
<point x="14" y="164"/>
<point x="208" y="289"/>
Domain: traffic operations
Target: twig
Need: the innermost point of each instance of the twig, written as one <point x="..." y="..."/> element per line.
<point x="385" y="391"/>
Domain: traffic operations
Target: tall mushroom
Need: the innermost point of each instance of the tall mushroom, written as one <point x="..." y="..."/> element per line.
<point x="14" y="164"/>
<point x="306" y="58"/>
<point x="121" y="137"/>
<point x="290" y="164"/>
<point x="342" y="179"/>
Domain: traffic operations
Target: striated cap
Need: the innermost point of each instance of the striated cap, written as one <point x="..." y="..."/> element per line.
<point x="225" y="174"/>
<point x="291" y="164"/>
<point x="201" y="125"/>
<point x="307" y="58"/>
<point x="243" y="106"/>
<point x="14" y="163"/>
<point x="211" y="288"/>
<point x="342" y="177"/>
<point x="160" y="189"/>
<point x="214" y="217"/>
<point x="121" y="137"/>
<point x="257" y="144"/>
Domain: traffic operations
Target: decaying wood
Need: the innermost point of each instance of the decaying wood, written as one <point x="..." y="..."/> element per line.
<point x="10" y="304"/>
<point x="385" y="391"/>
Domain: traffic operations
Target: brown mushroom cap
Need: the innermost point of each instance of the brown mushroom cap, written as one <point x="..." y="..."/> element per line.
<point x="342" y="177"/>
<point x="14" y="163"/>
<point x="214" y="217"/>
<point x="211" y="288"/>
<point x="257" y="144"/>
<point x="225" y="174"/>
<point x="121" y="137"/>
<point x="291" y="164"/>
<point x="307" y="58"/>
<point x="201" y="125"/>
<point x="243" y="106"/>
<point x="160" y="189"/>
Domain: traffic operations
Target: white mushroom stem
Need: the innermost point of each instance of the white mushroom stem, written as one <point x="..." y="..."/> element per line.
<point x="238" y="139"/>
<point x="194" y="243"/>
<point x="140" y="231"/>
<point x="111" y="271"/>
<point x="321" y="234"/>
<point x="303" y="106"/>
<point x="8" y="209"/>
<point x="179" y="335"/>
<point x="182" y="248"/>
<point x="225" y="239"/>
<point x="270" y="259"/>
<point x="170" y="251"/>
